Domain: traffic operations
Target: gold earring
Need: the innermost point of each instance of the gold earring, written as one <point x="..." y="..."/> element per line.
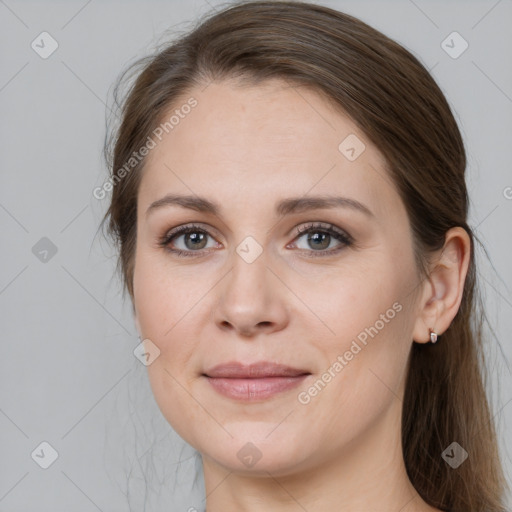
<point x="433" y="336"/>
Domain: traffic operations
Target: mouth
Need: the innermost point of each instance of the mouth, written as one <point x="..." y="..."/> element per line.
<point x="254" y="382"/>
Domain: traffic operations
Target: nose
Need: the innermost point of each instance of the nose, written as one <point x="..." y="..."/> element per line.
<point x="251" y="298"/>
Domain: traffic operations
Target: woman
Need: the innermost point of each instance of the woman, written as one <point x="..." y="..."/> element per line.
<point x="290" y="207"/>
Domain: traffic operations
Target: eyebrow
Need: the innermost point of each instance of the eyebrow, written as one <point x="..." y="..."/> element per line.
<point x="284" y="207"/>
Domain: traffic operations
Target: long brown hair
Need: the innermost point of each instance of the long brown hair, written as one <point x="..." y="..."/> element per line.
<point x="401" y="109"/>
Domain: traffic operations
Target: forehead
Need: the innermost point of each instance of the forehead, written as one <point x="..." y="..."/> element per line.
<point x="263" y="141"/>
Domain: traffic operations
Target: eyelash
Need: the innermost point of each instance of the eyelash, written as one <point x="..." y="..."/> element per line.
<point x="339" y="235"/>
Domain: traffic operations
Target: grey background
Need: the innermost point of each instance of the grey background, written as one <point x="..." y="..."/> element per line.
<point x="68" y="375"/>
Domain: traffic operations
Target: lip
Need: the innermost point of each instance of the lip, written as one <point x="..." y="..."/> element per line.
<point x="254" y="382"/>
<point x="261" y="369"/>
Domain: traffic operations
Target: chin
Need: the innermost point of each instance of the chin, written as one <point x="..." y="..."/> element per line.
<point x="252" y="450"/>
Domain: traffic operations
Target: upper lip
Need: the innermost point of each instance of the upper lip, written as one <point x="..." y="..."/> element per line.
<point x="259" y="370"/>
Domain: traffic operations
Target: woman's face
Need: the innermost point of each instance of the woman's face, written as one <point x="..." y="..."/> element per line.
<point x="336" y="303"/>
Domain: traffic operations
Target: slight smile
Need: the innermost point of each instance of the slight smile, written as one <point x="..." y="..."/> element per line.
<point x="254" y="382"/>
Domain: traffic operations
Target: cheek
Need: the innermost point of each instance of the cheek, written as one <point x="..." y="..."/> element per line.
<point x="365" y="355"/>
<point x="163" y="296"/>
<point x="364" y="378"/>
<point x="174" y="400"/>
<point x="358" y="304"/>
<point x="165" y="303"/>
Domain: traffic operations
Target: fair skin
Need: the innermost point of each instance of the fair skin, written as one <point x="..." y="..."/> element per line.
<point x="246" y="149"/>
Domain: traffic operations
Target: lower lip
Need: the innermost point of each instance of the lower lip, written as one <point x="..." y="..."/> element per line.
<point x="251" y="390"/>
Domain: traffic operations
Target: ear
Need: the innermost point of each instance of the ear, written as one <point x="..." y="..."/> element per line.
<point x="443" y="289"/>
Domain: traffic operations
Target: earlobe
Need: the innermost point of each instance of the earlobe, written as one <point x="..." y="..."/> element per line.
<point x="444" y="287"/>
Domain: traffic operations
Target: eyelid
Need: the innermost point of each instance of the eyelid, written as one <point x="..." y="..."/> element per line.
<point x="322" y="226"/>
<point x="344" y="238"/>
<point x="193" y="225"/>
<point x="301" y="229"/>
